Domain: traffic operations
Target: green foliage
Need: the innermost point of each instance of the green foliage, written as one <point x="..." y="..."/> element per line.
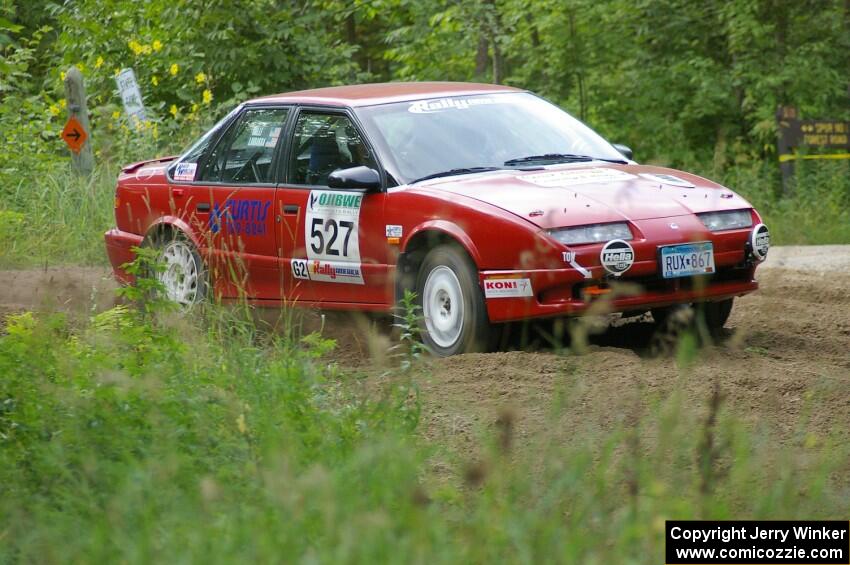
<point x="133" y="429"/>
<point x="25" y="111"/>
<point x="817" y="211"/>
<point x="408" y="323"/>
<point x="56" y="217"/>
<point x="681" y="81"/>
<point x="125" y="441"/>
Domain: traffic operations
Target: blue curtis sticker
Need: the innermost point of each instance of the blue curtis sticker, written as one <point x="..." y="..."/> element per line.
<point x="240" y="217"/>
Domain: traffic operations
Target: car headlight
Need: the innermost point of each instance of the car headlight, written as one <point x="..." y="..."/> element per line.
<point x="591" y="234"/>
<point x="733" y="220"/>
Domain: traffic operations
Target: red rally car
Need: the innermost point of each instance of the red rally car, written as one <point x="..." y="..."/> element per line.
<point x="490" y="203"/>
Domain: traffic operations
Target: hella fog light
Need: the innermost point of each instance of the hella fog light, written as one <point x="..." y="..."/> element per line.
<point x="760" y="242"/>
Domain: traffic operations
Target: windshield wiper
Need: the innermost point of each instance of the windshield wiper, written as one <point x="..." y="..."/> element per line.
<point x="453" y="172"/>
<point x="560" y="157"/>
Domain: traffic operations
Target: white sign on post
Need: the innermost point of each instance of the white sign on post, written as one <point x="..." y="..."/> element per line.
<point x="131" y="96"/>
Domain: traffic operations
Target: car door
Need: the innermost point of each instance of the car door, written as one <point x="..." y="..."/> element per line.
<point x="333" y="244"/>
<point x="233" y="196"/>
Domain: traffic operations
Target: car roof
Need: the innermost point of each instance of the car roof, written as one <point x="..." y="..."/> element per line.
<point x="383" y="93"/>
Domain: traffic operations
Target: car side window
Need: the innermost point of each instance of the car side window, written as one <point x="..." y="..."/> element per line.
<point x="324" y="143"/>
<point x="246" y="151"/>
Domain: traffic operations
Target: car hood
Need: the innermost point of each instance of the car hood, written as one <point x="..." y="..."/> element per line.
<point x="593" y="193"/>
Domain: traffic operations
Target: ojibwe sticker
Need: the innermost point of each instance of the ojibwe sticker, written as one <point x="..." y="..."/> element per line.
<point x="505" y="288"/>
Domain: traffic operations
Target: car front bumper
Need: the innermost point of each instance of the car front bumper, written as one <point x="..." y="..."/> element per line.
<point x="119" y="249"/>
<point x="569" y="292"/>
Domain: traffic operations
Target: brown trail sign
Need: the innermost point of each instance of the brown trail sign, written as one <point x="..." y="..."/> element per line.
<point x="812" y="134"/>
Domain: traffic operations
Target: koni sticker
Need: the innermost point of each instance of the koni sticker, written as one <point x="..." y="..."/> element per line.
<point x="573" y="177"/>
<point x="238" y="216"/>
<point x="331" y="235"/>
<point x="504" y="288"/>
<point x="185" y="171"/>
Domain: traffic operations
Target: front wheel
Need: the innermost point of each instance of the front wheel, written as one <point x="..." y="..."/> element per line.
<point x="673" y="319"/>
<point x="716" y="314"/>
<point x="454" y="316"/>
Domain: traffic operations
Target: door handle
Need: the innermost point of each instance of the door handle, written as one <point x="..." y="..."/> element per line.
<point x="178" y="192"/>
<point x="203" y="207"/>
<point x="290" y="209"/>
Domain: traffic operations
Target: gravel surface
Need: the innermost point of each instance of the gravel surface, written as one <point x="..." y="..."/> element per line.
<point x="817" y="258"/>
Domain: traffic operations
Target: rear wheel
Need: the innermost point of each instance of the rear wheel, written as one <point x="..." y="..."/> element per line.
<point x="180" y="270"/>
<point x="454" y="316"/>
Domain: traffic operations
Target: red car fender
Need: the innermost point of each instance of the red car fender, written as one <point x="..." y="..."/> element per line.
<point x="177" y="223"/>
<point x="449" y="228"/>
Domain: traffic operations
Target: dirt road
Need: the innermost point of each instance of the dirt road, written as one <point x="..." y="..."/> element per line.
<point x="783" y="360"/>
<point x="783" y="366"/>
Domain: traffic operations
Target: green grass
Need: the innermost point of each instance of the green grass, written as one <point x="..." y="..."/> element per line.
<point x="57" y="218"/>
<point x="133" y="437"/>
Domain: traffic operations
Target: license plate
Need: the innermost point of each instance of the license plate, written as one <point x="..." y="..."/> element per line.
<point x="687" y="260"/>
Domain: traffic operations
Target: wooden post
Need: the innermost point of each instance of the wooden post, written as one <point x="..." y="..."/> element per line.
<point x="75" y="96"/>
<point x="785" y="116"/>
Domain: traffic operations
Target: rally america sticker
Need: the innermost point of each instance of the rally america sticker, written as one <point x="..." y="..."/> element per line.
<point x="185" y="171"/>
<point x="617" y="256"/>
<point x="331" y="235"/>
<point x="444" y="104"/>
<point x="573" y="177"/>
<point x="503" y="288"/>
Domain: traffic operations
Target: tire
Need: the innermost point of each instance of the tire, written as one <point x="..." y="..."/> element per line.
<point x="671" y="323"/>
<point x="454" y="316"/>
<point x="661" y="315"/>
<point x="181" y="270"/>
<point x="716" y="314"/>
<point x="707" y="318"/>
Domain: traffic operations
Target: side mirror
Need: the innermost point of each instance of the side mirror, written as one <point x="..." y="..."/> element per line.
<point x="625" y="150"/>
<point x="355" y="177"/>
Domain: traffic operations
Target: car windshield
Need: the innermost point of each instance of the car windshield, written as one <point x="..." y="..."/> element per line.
<point x="453" y="135"/>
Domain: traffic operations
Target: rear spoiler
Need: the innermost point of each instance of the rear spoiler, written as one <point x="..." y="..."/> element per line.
<point x="135" y="166"/>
